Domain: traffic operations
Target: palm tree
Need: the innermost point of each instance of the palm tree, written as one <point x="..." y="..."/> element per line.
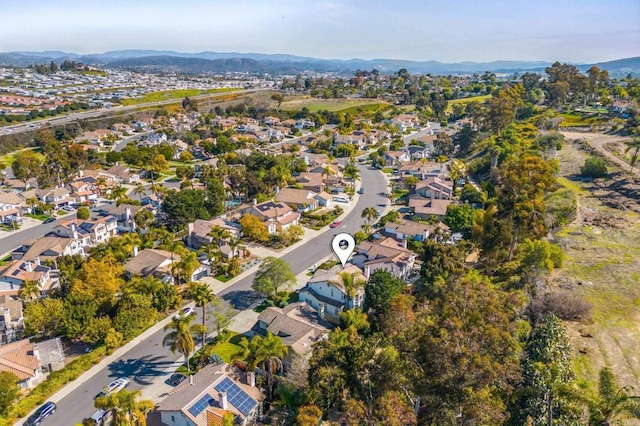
<point x="118" y="193"/>
<point x="31" y="203"/>
<point x="367" y="228"/>
<point x="633" y="145"/>
<point x="202" y="296"/>
<point x="611" y="400"/>
<point x="179" y="339"/>
<point x="327" y="171"/>
<point x="351" y="282"/>
<point x="139" y="190"/>
<point x="30" y="290"/>
<point x="126" y="410"/>
<point x="270" y="353"/>
<point x="218" y="234"/>
<point x="352" y="172"/>
<point x="369" y="214"/>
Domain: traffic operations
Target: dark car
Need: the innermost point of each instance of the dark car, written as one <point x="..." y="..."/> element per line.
<point x="41" y="413"/>
<point x="49" y="220"/>
<point x="175" y="379"/>
<point x="361" y="190"/>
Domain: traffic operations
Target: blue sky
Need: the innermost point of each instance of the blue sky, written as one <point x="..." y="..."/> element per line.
<point x="442" y="30"/>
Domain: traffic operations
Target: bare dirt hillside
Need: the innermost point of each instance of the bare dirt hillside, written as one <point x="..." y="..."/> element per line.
<point x="603" y="262"/>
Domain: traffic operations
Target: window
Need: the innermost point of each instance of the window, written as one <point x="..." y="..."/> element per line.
<point x="332" y="292"/>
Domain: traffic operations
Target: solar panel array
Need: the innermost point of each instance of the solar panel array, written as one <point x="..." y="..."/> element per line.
<point x="199" y="406"/>
<point x="236" y="396"/>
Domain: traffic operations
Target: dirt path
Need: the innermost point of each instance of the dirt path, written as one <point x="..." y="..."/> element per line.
<point x="599" y="141"/>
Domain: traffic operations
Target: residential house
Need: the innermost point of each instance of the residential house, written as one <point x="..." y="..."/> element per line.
<point x="303" y="123"/>
<point x="386" y="254"/>
<point x="96" y="137"/>
<point x="11" y="319"/>
<point x="434" y="187"/>
<point x="198" y="231"/>
<point x="122" y="128"/>
<point x="17" y="186"/>
<point x="396" y="158"/>
<point x="47" y="248"/>
<point x="418" y="152"/>
<point x="58" y="197"/>
<point x="208" y="395"/>
<point x="424" y="208"/>
<point x="158" y="263"/>
<point x="123" y="174"/>
<point x="124" y="214"/>
<point x="620" y="106"/>
<point x="155" y="139"/>
<point x="152" y="200"/>
<point x="422" y="169"/>
<point x="302" y="200"/>
<point x="410" y="230"/>
<point x="298" y="325"/>
<point x="31" y="362"/>
<point x="225" y="124"/>
<point x="14" y="275"/>
<point x="314" y="160"/>
<point x="271" y="121"/>
<point x="83" y="190"/>
<point x="88" y="232"/>
<point x="277" y="216"/>
<point x="12" y="206"/>
<point x="325" y="292"/>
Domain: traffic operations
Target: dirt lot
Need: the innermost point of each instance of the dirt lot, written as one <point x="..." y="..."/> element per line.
<point x="603" y="265"/>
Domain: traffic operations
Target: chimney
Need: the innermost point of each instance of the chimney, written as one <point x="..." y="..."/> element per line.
<point x="404" y="243"/>
<point x="127" y="214"/>
<point x="191" y="379"/>
<point x="73" y="227"/>
<point x="251" y="378"/>
<point x="37" y="261"/>
<point x="28" y="266"/>
<point x="135" y="251"/>
<point x="222" y="397"/>
<point x="255" y="201"/>
<point x="36" y="352"/>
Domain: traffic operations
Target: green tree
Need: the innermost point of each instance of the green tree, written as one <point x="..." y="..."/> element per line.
<point x="381" y="288"/>
<point x="179" y="338"/>
<point x="634" y="147"/>
<point x="113" y="339"/>
<point x="351" y="282"/>
<point x="78" y="311"/>
<point x="127" y="410"/>
<point x="309" y="415"/>
<point x="202" y="295"/>
<point x="182" y="207"/>
<point x="44" y="317"/>
<point x="611" y="401"/>
<point x="594" y="167"/>
<point x="270" y="353"/>
<point x="460" y="218"/>
<point x="278" y="98"/>
<point x="444" y="144"/>
<point x="369" y="214"/>
<point x="97" y="330"/>
<point x="83" y="213"/>
<point x="26" y="165"/>
<point x="273" y="278"/>
<point x="9" y="391"/>
<point x="441" y="262"/>
<point x="30" y="290"/>
<point x="546" y="376"/>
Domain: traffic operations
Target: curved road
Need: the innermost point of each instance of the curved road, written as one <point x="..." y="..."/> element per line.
<point x="150" y="359"/>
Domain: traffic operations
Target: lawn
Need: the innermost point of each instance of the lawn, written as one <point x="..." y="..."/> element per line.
<point x="5" y="260"/>
<point x="228" y="350"/>
<point x="8" y="159"/>
<point x="41" y="217"/>
<point x="580" y="120"/>
<point x="174" y="94"/>
<point x="465" y="101"/>
<point x="332" y="105"/>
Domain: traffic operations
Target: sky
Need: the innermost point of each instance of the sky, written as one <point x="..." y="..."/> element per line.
<point x="579" y="31"/>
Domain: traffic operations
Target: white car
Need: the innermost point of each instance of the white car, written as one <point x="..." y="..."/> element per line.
<point x="116" y="386"/>
<point x="185" y="312"/>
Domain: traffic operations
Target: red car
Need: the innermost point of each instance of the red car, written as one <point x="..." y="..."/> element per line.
<point x="335" y="224"/>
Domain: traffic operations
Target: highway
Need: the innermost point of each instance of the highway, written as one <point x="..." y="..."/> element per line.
<point x="149" y="359"/>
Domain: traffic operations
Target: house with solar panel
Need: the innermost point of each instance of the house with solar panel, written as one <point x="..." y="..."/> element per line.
<point x="213" y="393"/>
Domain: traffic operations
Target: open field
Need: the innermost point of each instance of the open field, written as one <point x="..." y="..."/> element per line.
<point x="8" y="159"/>
<point x="603" y="266"/>
<point x="465" y="101"/>
<point x="331" y="105"/>
<point x="174" y="94"/>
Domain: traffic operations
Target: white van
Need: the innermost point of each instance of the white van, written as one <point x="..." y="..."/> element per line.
<point x="101" y="418"/>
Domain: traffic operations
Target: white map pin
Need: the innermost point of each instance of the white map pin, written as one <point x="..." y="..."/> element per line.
<point x="343" y="245"/>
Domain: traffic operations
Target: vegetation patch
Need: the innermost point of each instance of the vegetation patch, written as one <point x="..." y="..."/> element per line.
<point x="332" y="105"/>
<point x="174" y="94"/>
<point x="465" y="101"/>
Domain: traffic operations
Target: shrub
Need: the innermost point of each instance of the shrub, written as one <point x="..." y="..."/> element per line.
<point x="563" y="304"/>
<point x="594" y="167"/>
<point x="83" y="213"/>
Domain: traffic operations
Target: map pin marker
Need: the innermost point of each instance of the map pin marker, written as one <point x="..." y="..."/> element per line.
<point x="343" y="245"/>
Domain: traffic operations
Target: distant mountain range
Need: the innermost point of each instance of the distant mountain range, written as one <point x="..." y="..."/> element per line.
<point x="282" y="63"/>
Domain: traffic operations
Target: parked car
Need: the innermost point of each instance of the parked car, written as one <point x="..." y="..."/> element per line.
<point x="335" y="224"/>
<point x="47" y="409"/>
<point x="67" y="208"/>
<point x="49" y="220"/>
<point x="100" y="418"/>
<point x="115" y="386"/>
<point x="175" y="379"/>
<point x="185" y="312"/>
<point x="361" y="190"/>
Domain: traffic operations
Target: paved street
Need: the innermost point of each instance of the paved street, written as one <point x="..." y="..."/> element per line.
<point x="149" y="361"/>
